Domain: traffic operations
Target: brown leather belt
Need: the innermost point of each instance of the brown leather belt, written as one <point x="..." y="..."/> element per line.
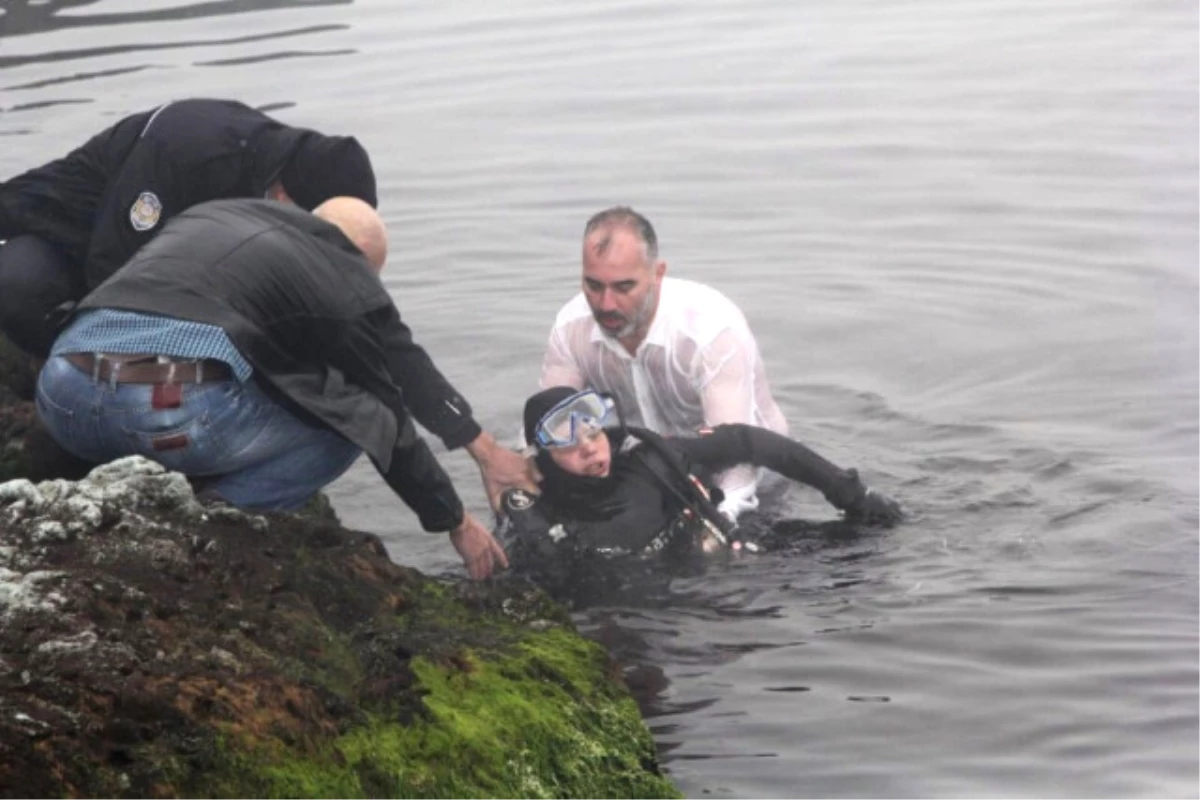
<point x="147" y="369"/>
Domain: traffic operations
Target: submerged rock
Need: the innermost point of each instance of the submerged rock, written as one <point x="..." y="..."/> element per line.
<point x="151" y="646"/>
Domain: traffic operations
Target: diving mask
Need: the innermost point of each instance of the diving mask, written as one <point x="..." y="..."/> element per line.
<point x="570" y="420"/>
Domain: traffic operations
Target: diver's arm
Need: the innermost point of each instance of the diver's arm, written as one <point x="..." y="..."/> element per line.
<point x="740" y="444"/>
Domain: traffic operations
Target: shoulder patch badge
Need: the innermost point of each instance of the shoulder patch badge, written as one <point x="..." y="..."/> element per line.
<point x="518" y="500"/>
<point x="145" y="211"/>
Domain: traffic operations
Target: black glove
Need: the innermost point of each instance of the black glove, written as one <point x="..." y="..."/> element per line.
<point x="867" y="505"/>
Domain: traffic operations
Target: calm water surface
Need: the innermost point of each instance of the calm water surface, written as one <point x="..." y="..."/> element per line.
<point x="965" y="234"/>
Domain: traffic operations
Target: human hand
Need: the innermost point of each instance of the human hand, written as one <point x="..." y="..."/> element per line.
<point x="501" y="468"/>
<point x="479" y="550"/>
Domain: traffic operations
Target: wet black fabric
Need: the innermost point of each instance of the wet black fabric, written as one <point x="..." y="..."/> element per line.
<point x="104" y="200"/>
<point x="323" y="335"/>
<point x="729" y="445"/>
<point x="627" y="510"/>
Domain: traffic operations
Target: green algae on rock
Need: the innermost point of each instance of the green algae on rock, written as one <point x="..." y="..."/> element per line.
<point x="151" y="646"/>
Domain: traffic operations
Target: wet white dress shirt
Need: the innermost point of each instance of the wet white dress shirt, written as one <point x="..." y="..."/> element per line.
<point x="699" y="366"/>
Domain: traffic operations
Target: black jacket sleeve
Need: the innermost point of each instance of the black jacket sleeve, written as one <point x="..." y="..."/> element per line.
<point x="434" y="402"/>
<point x="414" y="473"/>
<point x="419" y="480"/>
<point x="733" y="444"/>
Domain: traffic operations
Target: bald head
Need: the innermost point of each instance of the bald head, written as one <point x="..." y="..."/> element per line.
<point x="361" y="224"/>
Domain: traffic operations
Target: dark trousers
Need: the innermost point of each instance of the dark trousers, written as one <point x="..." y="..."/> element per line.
<point x="35" y="278"/>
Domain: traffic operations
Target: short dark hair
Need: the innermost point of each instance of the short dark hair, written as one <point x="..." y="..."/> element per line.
<point x="624" y="217"/>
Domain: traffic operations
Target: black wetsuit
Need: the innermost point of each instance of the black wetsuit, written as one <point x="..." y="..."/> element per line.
<point x="648" y="504"/>
<point x="73" y="222"/>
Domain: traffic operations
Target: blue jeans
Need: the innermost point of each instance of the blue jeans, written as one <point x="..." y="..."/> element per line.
<point x="260" y="455"/>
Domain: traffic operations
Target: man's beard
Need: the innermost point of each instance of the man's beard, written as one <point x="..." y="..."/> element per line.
<point x="632" y="324"/>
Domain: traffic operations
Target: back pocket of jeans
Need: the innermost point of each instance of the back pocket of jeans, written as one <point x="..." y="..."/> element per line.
<point x="190" y="448"/>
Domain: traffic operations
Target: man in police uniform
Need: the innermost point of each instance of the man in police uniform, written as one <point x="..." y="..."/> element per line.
<point x="73" y="222"/>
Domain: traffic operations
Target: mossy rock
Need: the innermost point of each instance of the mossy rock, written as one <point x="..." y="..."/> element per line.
<point x="154" y="647"/>
<point x="319" y="507"/>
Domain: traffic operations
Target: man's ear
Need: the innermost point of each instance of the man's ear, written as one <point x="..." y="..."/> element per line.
<point x="660" y="269"/>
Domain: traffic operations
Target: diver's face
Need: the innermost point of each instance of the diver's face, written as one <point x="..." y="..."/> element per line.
<point x="591" y="458"/>
<point x="621" y="284"/>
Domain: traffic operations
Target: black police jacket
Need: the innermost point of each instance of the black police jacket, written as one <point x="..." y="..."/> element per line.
<point x="302" y="305"/>
<point x="104" y="200"/>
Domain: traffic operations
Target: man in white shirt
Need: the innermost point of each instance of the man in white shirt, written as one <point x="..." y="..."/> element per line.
<point x="677" y="355"/>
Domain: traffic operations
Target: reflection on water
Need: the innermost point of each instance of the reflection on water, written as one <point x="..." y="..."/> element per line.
<point x="41" y="16"/>
<point x="79" y="76"/>
<point x="94" y="52"/>
<point x="965" y="236"/>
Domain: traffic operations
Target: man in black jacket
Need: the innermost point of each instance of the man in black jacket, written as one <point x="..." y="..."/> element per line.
<point x="252" y="343"/>
<point x="71" y="223"/>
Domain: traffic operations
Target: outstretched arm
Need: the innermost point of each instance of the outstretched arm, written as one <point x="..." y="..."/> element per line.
<point x="415" y="475"/>
<point x="749" y="444"/>
<point x="437" y="405"/>
<point x="500" y="467"/>
<point x="432" y="399"/>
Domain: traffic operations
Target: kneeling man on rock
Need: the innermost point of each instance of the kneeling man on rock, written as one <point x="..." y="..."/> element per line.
<point x="253" y="345"/>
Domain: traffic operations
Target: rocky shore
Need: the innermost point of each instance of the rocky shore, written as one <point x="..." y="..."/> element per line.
<point x="153" y="646"/>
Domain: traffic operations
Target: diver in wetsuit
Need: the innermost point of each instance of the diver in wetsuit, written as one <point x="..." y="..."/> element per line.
<point x="612" y="490"/>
